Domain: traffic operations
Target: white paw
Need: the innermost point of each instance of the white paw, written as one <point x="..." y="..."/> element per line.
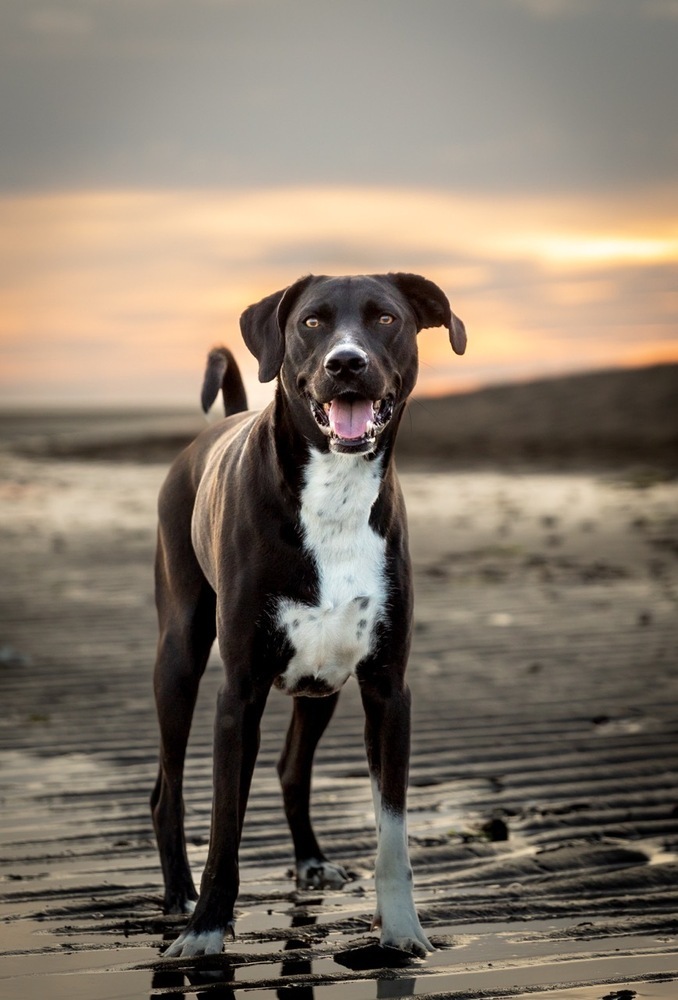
<point x="401" y="929"/>
<point x="189" y="944"/>
<point x="316" y="874"/>
<point x="417" y="944"/>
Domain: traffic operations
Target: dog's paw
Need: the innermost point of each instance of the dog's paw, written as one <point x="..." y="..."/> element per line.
<point x="404" y="932"/>
<point x="418" y="946"/>
<point x="193" y="943"/>
<point x="320" y="874"/>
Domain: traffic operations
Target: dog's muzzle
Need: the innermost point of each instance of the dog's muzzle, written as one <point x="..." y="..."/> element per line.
<point x="351" y="422"/>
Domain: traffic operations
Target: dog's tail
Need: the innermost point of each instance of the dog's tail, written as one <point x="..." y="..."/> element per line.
<point x="222" y="372"/>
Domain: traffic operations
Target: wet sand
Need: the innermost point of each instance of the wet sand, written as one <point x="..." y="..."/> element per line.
<point x="544" y="793"/>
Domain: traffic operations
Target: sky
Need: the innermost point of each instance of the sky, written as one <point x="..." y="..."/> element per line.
<point x="163" y="164"/>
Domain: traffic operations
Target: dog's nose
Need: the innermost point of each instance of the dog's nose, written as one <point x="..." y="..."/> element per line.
<point x="345" y="359"/>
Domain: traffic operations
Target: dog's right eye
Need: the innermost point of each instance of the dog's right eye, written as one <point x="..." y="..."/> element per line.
<point x="312" y="322"/>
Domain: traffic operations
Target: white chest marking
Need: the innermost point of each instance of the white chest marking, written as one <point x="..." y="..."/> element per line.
<point x="332" y="637"/>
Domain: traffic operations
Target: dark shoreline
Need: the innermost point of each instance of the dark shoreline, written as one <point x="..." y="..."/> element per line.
<point x="609" y="420"/>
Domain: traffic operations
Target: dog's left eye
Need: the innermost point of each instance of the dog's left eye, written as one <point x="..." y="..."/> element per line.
<point x="386" y="319"/>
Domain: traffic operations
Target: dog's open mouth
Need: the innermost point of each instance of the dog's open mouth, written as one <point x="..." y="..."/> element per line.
<point x="352" y="423"/>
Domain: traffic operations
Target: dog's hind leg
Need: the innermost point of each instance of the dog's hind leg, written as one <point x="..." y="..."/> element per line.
<point x="186" y="615"/>
<point x="310" y="717"/>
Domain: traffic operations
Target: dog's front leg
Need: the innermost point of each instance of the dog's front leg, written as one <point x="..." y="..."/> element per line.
<point x="236" y="744"/>
<point x="387" y="739"/>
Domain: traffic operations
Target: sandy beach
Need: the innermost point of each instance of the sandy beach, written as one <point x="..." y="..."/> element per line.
<point x="543" y="807"/>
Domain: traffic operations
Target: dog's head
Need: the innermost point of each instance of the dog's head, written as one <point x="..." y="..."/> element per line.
<point x="345" y="350"/>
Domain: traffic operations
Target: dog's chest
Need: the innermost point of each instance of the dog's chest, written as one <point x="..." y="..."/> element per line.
<point x="330" y="638"/>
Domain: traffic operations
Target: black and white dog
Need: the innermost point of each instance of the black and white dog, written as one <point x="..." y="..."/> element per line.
<point x="283" y="535"/>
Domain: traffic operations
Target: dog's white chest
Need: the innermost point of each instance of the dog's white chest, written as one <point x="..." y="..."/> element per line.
<point x="332" y="637"/>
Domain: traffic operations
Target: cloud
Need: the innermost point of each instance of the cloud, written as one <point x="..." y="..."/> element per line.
<point x="117" y="296"/>
<point x="463" y="97"/>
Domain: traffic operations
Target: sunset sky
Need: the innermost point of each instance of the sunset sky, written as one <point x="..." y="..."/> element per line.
<point x="165" y="163"/>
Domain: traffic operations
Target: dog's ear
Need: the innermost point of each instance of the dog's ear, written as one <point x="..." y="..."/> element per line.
<point x="263" y="327"/>
<point x="430" y="307"/>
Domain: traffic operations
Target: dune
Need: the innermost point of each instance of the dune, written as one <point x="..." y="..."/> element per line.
<point x="613" y="417"/>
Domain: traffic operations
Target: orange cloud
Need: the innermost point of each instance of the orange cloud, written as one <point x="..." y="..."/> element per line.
<point x="118" y="295"/>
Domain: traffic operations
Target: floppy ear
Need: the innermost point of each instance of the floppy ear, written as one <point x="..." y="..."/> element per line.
<point x="431" y="307"/>
<point x="263" y="327"/>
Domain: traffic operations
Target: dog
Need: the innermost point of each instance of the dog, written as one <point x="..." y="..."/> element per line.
<point x="283" y="535"/>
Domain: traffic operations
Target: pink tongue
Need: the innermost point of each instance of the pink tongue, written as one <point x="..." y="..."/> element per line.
<point x="350" y="420"/>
